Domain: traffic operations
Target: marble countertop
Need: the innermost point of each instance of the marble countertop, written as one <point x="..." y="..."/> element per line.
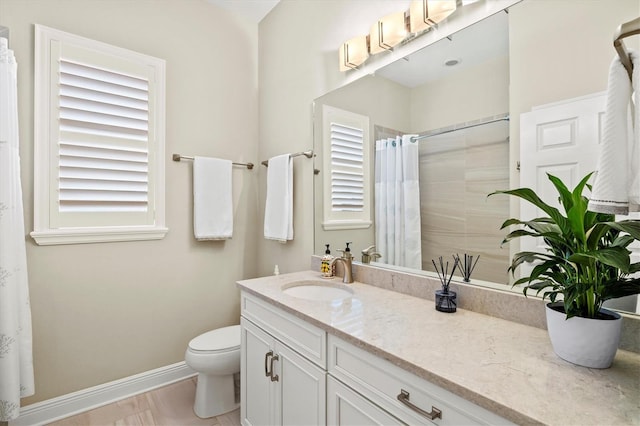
<point x="505" y="367"/>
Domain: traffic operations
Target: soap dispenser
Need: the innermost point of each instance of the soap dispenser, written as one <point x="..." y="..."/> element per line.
<point x="326" y="268"/>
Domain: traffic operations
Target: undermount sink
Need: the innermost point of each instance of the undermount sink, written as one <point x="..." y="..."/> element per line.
<point x="317" y="290"/>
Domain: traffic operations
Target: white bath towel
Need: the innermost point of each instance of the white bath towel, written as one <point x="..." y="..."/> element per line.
<point x="278" y="212"/>
<point x="617" y="186"/>
<point x="212" y="199"/>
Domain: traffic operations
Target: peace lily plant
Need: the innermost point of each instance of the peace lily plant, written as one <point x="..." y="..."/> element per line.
<point x="587" y="260"/>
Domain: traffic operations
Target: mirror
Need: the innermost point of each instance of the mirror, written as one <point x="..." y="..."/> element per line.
<point x="465" y="151"/>
<point x="465" y="159"/>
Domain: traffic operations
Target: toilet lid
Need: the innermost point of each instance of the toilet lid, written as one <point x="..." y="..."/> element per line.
<point x="221" y="339"/>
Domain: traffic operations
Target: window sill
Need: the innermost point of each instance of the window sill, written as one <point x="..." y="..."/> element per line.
<point x="97" y="235"/>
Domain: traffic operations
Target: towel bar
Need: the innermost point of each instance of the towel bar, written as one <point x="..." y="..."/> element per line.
<point x="308" y="154"/>
<point x="178" y="157"/>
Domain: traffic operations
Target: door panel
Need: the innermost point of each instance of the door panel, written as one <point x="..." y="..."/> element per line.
<point x="256" y="400"/>
<point x="301" y="392"/>
<point x="561" y="139"/>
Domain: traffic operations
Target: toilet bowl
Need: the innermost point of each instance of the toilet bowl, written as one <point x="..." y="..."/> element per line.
<point x="215" y="356"/>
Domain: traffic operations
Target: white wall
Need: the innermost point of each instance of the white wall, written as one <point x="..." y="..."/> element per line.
<point x="107" y="311"/>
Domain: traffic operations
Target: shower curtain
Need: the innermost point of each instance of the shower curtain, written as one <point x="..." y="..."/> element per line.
<point x="16" y="359"/>
<point x="397" y="201"/>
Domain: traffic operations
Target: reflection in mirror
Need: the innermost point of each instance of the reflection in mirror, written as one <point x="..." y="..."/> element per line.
<point x="506" y="65"/>
<point x="458" y="168"/>
<point x="435" y="93"/>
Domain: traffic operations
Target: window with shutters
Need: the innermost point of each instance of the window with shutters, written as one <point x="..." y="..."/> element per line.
<point x="99" y="142"/>
<point x="347" y="181"/>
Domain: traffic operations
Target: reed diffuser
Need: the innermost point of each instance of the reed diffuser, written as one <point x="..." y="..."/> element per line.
<point x="467" y="266"/>
<point x="445" y="299"/>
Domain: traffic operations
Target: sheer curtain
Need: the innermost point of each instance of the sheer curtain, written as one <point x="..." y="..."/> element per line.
<point x="397" y="201"/>
<point x="16" y="360"/>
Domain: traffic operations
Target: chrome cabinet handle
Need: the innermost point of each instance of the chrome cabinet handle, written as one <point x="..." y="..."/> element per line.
<point x="267" y="373"/>
<point x="274" y="358"/>
<point x="404" y="398"/>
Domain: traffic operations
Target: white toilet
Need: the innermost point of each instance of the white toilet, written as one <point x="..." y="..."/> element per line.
<point x="215" y="355"/>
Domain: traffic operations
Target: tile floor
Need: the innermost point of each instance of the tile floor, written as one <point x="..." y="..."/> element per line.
<point x="171" y="405"/>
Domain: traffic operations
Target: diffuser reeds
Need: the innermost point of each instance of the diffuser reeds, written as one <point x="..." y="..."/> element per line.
<point x="467" y="266"/>
<point x="443" y="272"/>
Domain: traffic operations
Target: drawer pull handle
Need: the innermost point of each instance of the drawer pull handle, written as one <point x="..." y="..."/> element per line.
<point x="269" y="354"/>
<point x="404" y="398"/>
<point x="274" y="358"/>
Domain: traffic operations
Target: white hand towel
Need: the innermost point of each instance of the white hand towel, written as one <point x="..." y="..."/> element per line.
<point x="617" y="170"/>
<point x="212" y="199"/>
<point x="278" y="212"/>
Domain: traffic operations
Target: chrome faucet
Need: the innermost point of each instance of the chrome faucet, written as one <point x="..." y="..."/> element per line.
<point x="347" y="262"/>
<point x="369" y="253"/>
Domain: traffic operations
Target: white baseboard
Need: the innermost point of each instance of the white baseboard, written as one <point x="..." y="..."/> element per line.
<point x="87" y="399"/>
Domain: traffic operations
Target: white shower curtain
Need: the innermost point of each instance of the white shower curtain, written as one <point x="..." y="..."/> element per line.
<point x="397" y="201"/>
<point x="16" y="359"/>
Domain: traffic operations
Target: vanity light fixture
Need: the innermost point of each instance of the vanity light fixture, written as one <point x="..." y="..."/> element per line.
<point x="426" y="13"/>
<point x="353" y="53"/>
<point x="387" y="32"/>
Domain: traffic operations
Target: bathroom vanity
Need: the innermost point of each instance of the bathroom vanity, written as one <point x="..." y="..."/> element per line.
<point x="367" y="355"/>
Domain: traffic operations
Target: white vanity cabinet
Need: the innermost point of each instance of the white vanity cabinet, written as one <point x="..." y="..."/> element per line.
<point x="294" y="373"/>
<point x="379" y="392"/>
<point x="283" y="367"/>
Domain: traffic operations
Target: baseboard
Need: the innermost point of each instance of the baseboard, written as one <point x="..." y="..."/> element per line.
<point x="87" y="399"/>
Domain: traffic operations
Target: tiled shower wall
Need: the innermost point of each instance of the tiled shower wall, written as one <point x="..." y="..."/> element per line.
<point x="458" y="169"/>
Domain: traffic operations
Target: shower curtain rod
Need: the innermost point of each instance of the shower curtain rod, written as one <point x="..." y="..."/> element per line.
<point x="469" y="125"/>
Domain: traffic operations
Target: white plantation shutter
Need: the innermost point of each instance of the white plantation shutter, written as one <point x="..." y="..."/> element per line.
<point x="101" y="136"/>
<point x="103" y="165"/>
<point x="347" y="179"/>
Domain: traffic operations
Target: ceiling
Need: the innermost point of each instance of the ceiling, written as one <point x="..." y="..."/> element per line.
<point x="253" y="10"/>
<point x="471" y="46"/>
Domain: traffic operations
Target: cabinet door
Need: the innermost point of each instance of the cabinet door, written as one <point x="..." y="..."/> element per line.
<point x="346" y="407"/>
<point x="256" y="394"/>
<point x="301" y="390"/>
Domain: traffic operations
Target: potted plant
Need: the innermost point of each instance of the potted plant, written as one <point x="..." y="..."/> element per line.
<point x="586" y="262"/>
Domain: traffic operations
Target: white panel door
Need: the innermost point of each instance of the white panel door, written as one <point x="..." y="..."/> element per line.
<point x="561" y="139"/>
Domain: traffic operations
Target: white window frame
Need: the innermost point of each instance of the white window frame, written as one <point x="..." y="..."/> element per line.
<point x="92" y="227"/>
<point x="336" y="219"/>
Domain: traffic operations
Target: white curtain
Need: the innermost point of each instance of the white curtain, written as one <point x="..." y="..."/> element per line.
<point x="397" y="201"/>
<point x="16" y="359"/>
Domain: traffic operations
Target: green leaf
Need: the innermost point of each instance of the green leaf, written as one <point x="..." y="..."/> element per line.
<point x="621" y="289"/>
<point x="566" y="198"/>
<point x="622" y="241"/>
<point x="618" y="257"/>
<point x="631" y="227"/>
<point x="530" y="196"/>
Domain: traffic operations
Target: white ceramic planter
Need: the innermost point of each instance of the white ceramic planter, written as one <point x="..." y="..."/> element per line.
<point x="583" y="341"/>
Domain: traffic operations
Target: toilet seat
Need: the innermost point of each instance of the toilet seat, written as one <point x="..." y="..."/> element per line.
<point x="221" y="340"/>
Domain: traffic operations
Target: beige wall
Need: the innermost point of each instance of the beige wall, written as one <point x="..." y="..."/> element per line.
<point x="107" y="311"/>
<point x="298" y="45"/>
<point x="560" y="50"/>
<point x="459" y="98"/>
